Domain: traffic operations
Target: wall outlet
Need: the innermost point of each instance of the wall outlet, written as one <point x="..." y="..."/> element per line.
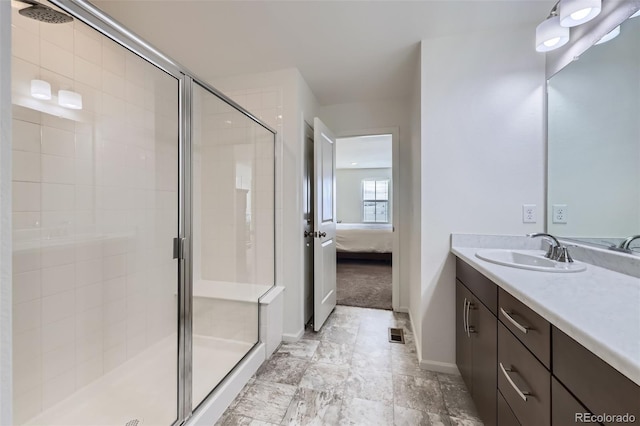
<point x="529" y="214"/>
<point x="559" y="213"/>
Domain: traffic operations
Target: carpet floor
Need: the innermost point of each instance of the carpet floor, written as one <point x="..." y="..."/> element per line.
<point x="366" y="284"/>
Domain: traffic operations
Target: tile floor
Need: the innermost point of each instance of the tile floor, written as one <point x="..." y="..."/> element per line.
<point x="349" y="374"/>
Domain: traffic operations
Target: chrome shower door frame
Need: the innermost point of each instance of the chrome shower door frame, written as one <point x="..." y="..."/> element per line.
<point x="103" y="23"/>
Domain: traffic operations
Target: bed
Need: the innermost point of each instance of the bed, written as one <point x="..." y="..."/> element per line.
<point x="364" y="241"/>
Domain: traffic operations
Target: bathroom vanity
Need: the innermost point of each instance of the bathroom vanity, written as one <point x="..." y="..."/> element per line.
<point x="540" y="348"/>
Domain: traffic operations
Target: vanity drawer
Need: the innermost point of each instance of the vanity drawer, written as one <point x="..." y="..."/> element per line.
<point x="530" y="328"/>
<point x="505" y="415"/>
<point x="523" y="381"/>
<point x="482" y="287"/>
<point x="600" y="387"/>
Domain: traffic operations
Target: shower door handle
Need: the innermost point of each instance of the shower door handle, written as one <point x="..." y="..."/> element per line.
<point x="178" y="248"/>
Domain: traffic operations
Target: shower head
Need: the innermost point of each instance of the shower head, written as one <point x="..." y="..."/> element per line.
<point x="43" y="13"/>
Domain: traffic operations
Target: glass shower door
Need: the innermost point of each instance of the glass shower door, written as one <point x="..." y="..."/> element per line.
<point x="95" y="209"/>
<point x="233" y="235"/>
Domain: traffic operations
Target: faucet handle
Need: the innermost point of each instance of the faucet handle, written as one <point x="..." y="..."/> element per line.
<point x="563" y="255"/>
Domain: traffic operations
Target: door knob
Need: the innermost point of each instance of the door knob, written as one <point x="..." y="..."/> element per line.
<point x="308" y="234"/>
<point x="322" y="234"/>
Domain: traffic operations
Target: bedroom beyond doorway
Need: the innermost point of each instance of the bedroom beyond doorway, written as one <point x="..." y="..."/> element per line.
<point x="364" y="232"/>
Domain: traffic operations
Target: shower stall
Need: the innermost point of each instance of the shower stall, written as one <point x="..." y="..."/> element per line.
<point x="143" y="225"/>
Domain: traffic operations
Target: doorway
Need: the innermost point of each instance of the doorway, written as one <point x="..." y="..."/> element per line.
<point x="364" y="232"/>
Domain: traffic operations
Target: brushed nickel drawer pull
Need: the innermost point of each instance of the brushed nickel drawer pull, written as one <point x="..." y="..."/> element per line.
<point x="469" y="328"/>
<point x="519" y="326"/>
<point x="464" y="315"/>
<point x="522" y="394"/>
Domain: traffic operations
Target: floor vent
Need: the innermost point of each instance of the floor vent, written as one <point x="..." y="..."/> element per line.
<point x="396" y="335"/>
<point x="134" y="422"/>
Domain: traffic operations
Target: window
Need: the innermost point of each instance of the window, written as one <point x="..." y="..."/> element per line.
<point x="375" y="201"/>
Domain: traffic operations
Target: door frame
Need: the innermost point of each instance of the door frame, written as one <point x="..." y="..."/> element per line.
<point x="395" y="207"/>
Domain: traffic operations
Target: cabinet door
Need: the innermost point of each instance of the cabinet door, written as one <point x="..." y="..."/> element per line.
<point x="565" y="409"/>
<point x="484" y="342"/>
<point x="463" y="342"/>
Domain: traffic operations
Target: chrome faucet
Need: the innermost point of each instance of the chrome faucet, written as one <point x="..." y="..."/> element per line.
<point x="556" y="251"/>
<point x="625" y="246"/>
<point x="554" y="244"/>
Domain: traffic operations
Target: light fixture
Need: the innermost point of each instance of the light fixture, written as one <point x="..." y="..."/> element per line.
<point x="69" y="99"/>
<point x="610" y="35"/>
<point x="635" y="15"/>
<point x="40" y="89"/>
<point x="550" y="35"/>
<point x="576" y="12"/>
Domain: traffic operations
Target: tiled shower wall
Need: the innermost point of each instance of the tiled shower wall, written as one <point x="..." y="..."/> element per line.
<point x="234" y="169"/>
<point x="95" y="210"/>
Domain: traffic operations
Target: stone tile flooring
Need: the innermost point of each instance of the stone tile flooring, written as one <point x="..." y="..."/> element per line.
<point x="349" y="374"/>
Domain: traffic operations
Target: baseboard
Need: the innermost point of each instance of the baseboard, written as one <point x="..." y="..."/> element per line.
<point x="418" y="339"/>
<point x="440" y="367"/>
<point x="215" y="405"/>
<point x="287" y="337"/>
<point x="402" y="309"/>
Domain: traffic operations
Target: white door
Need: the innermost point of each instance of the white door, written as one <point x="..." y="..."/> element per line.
<point x="324" y="207"/>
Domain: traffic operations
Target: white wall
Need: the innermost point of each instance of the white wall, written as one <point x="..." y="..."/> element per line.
<point x="411" y="244"/>
<point x="349" y="192"/>
<point x="298" y="105"/>
<point x="5" y="214"/>
<point x="352" y="118"/>
<point x="594" y="140"/>
<point x="482" y="157"/>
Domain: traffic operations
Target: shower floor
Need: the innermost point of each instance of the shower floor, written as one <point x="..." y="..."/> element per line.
<point x="145" y="387"/>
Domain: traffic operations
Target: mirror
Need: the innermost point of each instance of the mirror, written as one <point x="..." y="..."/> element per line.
<point x="593" y="192"/>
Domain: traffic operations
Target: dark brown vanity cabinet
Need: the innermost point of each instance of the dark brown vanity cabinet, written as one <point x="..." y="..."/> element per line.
<point x="521" y="370"/>
<point x="476" y="339"/>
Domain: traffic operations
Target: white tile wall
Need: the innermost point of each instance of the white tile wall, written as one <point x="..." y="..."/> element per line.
<point x="236" y="153"/>
<point x="94" y="279"/>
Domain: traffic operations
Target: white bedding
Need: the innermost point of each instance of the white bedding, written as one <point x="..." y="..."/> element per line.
<point x="364" y="237"/>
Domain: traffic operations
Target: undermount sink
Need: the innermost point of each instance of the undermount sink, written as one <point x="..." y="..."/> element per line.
<point x="533" y="260"/>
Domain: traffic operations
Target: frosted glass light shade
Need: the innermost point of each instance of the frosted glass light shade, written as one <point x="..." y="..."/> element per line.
<point x="550" y="35"/>
<point x="69" y="99"/>
<point x="610" y="35"/>
<point x="40" y="89"/>
<point x="576" y="12"/>
<point x="635" y="15"/>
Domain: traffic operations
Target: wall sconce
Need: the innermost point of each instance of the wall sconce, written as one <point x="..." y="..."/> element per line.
<point x="550" y="34"/>
<point x="576" y="12"/>
<point x="40" y="89"/>
<point x="554" y="31"/>
<point x="69" y="99"/>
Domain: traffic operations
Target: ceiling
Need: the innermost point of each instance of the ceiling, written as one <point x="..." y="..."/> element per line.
<point x="347" y="51"/>
<point x="368" y="152"/>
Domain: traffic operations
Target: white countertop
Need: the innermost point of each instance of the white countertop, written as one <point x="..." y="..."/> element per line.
<point x="598" y="308"/>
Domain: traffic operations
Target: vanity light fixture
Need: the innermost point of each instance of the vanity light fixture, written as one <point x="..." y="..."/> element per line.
<point x="550" y="34"/>
<point x="576" y="12"/>
<point x="554" y="31"/>
<point x="40" y="89"/>
<point x="635" y="15"/>
<point x="69" y="99"/>
<point x="610" y="35"/>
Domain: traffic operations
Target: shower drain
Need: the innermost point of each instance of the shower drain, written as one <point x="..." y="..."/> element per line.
<point x="134" y="422"/>
<point x="396" y="335"/>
